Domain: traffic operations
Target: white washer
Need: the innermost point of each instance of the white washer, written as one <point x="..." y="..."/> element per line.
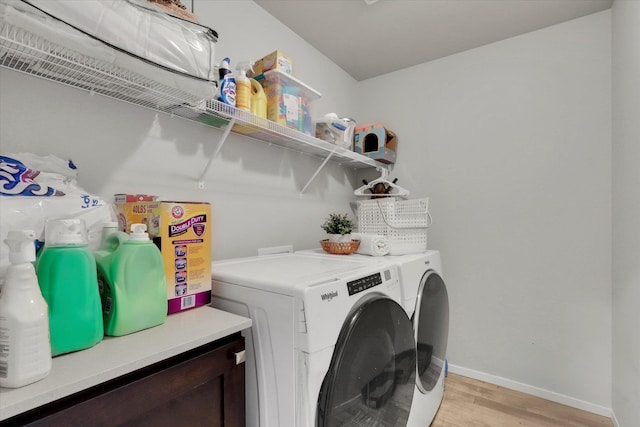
<point x="330" y="343"/>
<point x="425" y="299"/>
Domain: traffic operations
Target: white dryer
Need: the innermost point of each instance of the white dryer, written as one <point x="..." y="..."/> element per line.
<point x="425" y="299"/>
<point x="330" y="343"/>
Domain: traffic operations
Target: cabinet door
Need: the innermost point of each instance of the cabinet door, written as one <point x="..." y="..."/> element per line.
<point x="204" y="387"/>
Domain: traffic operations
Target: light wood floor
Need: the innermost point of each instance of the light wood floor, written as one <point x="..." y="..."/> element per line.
<point x="472" y="403"/>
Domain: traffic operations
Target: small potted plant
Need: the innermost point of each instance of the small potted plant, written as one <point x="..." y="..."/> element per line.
<point x="338" y="228"/>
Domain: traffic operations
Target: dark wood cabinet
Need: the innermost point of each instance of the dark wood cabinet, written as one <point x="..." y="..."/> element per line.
<point x="202" y="387"/>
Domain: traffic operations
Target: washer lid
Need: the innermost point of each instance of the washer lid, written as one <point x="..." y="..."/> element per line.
<point x="283" y="273"/>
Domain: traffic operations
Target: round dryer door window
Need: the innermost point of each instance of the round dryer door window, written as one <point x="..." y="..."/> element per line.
<point x="431" y="324"/>
<point x="370" y="381"/>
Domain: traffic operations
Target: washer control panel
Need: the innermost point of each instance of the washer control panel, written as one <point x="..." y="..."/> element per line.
<point x="363" y="283"/>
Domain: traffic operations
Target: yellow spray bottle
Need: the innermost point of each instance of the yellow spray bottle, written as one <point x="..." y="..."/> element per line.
<point x="243" y="87"/>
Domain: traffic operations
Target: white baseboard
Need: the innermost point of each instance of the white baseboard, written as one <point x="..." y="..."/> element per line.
<point x="614" y="419"/>
<point x="534" y="391"/>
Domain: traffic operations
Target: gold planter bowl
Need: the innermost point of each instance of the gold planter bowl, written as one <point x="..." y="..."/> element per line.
<point x="343" y="248"/>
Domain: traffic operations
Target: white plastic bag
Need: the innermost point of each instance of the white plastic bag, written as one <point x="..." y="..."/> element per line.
<point x="34" y="189"/>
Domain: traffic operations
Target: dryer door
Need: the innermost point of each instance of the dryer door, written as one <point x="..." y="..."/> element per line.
<point x="370" y="381"/>
<point x="431" y="325"/>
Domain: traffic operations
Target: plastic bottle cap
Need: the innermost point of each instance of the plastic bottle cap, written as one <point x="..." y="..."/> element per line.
<point x="21" y="247"/>
<point x="138" y="233"/>
<point x="110" y="224"/>
<point x="70" y="231"/>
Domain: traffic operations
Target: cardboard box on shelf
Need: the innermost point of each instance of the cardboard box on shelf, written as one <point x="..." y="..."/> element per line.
<point x="274" y="61"/>
<point x="182" y="232"/>
<point x="375" y="141"/>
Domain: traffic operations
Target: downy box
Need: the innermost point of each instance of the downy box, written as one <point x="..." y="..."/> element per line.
<point x="182" y="232"/>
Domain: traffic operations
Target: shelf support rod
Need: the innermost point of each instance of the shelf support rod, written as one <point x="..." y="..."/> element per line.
<point x="324" y="162"/>
<point x="223" y="138"/>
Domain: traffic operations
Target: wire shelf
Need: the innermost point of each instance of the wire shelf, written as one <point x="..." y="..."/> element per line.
<point x="29" y="53"/>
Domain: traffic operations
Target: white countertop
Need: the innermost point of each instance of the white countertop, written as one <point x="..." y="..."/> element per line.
<point x="116" y="356"/>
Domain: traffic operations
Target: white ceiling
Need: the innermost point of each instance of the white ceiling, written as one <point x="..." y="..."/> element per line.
<point x="388" y="35"/>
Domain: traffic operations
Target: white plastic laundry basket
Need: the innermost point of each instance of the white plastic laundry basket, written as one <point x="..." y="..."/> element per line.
<point x="403" y="222"/>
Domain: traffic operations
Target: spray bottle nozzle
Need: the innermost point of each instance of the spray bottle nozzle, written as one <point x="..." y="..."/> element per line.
<point x="21" y="247"/>
<point x="244" y="67"/>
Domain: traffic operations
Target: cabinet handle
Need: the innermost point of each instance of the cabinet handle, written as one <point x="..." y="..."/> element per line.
<point x="239" y="357"/>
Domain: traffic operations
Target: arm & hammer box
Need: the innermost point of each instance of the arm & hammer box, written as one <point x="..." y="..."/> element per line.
<point x="182" y="232"/>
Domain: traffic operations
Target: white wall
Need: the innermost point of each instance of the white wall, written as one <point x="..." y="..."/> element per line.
<point x="626" y="211"/>
<point x="253" y="188"/>
<point x="512" y="143"/>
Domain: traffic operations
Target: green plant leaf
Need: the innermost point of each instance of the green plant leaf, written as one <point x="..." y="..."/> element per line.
<point x="337" y="224"/>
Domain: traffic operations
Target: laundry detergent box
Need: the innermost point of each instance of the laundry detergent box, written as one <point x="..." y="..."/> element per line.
<point x="138" y="209"/>
<point x="185" y="243"/>
<point x="182" y="232"/>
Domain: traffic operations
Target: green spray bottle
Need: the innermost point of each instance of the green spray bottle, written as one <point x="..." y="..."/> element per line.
<point x="66" y="271"/>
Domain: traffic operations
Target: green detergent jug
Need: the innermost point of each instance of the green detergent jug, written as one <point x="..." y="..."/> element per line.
<point x="66" y="271"/>
<point x="132" y="283"/>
